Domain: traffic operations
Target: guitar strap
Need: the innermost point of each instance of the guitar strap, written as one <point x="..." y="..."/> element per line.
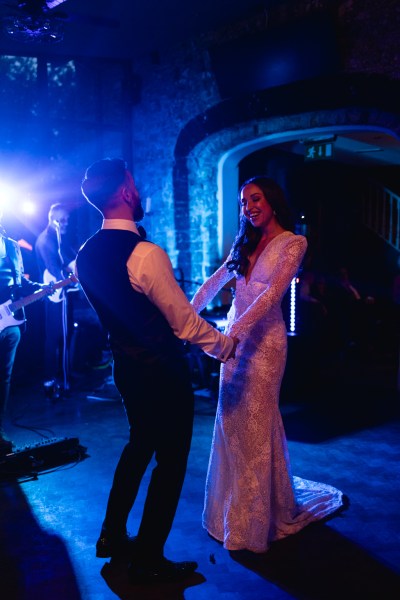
<point x="12" y="254"/>
<point x="15" y="262"/>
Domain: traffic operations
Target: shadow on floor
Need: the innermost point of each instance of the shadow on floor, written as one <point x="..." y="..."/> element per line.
<point x="116" y="577"/>
<point x="33" y="563"/>
<point x="318" y="563"/>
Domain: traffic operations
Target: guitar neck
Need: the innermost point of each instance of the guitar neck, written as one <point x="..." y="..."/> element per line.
<point x="37" y="295"/>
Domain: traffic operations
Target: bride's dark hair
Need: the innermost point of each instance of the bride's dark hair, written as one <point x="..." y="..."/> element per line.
<point x="248" y="236"/>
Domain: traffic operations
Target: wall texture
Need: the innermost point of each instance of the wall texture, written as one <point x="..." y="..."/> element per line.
<point x="185" y="119"/>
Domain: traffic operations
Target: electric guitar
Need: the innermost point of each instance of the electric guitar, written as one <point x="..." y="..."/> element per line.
<point x="8" y="309"/>
<point x="49" y="279"/>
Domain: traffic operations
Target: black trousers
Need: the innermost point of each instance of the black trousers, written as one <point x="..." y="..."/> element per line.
<point x="159" y="405"/>
<point x="54" y="340"/>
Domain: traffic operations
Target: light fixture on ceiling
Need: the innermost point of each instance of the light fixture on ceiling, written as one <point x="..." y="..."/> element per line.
<point x="34" y="29"/>
<point x="372" y="149"/>
<point x="319" y="139"/>
<point x="35" y="21"/>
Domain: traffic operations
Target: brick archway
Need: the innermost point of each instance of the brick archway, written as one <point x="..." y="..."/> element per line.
<point x="210" y="147"/>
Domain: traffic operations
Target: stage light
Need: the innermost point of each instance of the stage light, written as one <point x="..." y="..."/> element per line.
<point x="7" y="197"/>
<point x="28" y="207"/>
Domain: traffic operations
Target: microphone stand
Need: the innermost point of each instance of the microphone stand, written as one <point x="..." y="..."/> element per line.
<point x="64" y="317"/>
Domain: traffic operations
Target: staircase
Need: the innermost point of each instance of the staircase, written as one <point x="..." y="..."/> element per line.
<point x="381" y="214"/>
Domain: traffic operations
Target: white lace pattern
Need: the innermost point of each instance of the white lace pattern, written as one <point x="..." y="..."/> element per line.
<point x="251" y="497"/>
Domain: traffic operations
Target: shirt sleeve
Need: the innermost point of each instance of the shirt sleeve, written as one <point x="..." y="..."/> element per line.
<point x="210" y="288"/>
<point x="151" y="273"/>
<point x="27" y="286"/>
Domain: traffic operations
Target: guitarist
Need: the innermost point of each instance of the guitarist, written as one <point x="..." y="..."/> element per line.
<point x="55" y="259"/>
<point x="13" y="285"/>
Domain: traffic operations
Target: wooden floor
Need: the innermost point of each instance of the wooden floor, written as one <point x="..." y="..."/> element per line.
<point x="346" y="433"/>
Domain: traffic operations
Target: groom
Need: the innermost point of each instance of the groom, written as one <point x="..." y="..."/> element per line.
<point x="130" y="283"/>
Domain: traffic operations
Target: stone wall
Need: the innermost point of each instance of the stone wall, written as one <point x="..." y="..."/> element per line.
<point x="182" y="126"/>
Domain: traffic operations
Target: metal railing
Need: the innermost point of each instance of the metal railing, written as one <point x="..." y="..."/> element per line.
<point x="381" y="214"/>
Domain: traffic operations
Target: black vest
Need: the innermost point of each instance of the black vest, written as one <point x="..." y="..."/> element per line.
<point x="135" y="325"/>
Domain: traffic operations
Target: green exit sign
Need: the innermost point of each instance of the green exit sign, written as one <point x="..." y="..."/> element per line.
<point x="319" y="151"/>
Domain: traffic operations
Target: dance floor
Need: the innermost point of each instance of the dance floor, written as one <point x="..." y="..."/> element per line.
<point x="53" y="496"/>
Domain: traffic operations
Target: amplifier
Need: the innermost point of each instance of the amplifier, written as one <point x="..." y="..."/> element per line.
<point x="41" y="456"/>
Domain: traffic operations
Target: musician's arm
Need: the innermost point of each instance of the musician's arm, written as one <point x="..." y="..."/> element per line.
<point x="29" y="287"/>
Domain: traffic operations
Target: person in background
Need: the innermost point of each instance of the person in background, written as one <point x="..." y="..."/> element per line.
<point x="251" y="498"/>
<point x="354" y="314"/>
<point x="55" y="259"/>
<point x="316" y="333"/>
<point x="148" y="318"/>
<point x="13" y="286"/>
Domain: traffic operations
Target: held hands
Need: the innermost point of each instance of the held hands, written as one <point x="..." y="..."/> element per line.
<point x="235" y="343"/>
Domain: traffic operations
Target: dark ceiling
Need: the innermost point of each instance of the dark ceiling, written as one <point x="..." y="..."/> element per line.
<point x="123" y="28"/>
<point x="130" y="29"/>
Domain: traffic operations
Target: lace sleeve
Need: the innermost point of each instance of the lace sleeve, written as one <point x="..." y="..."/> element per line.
<point x="210" y="288"/>
<point x="283" y="273"/>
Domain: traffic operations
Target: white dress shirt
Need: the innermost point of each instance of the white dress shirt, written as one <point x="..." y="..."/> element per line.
<point x="150" y="272"/>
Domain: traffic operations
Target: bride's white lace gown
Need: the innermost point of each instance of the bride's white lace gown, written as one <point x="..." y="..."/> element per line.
<point x="251" y="497"/>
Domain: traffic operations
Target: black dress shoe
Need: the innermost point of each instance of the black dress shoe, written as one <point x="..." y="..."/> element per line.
<point x="163" y="571"/>
<point x="116" y="546"/>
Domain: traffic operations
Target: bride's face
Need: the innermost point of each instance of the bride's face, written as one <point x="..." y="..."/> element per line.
<point x="255" y="206"/>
